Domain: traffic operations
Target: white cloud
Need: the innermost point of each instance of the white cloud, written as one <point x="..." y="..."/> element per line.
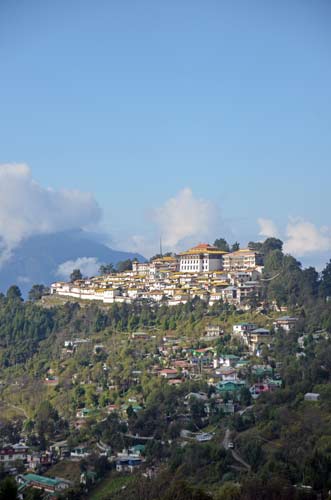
<point x="26" y="208"/>
<point x="301" y="237"/>
<point x="268" y="228"/>
<point x="304" y="238"/>
<point x="88" y="266"/>
<point x="142" y="244"/>
<point x="186" y="219"/>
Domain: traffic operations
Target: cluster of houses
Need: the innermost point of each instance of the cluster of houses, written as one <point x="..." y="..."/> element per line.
<point x="175" y="360"/>
<point x="204" y="271"/>
<point x="37" y="463"/>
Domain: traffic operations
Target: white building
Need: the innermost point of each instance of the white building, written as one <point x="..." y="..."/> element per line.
<point x="312" y="396"/>
<point x="285" y="322"/>
<point x="202" y="258"/>
<point x="9" y="454"/>
<point x="242" y="329"/>
<point x="213" y="331"/>
<point x="140" y="267"/>
<point x="242" y="260"/>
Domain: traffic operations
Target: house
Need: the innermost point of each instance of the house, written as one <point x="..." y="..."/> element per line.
<point x="137" y="449"/>
<point x="213" y="331"/>
<point x="85" y="412"/>
<point x="51" y="380"/>
<point x="227" y="374"/>
<point x="258" y="389"/>
<point x="61" y="449"/>
<point x="228" y="359"/>
<point x="230" y="386"/>
<point x="12" y="453"/>
<point x="140" y="336"/>
<point x="128" y="462"/>
<point x="285" y="323"/>
<point x="52" y="486"/>
<point x="262" y="370"/>
<point x="175" y="381"/>
<point x="168" y="373"/>
<point x="203" y="437"/>
<point x="312" y="396"/>
<point x="229" y="294"/>
<point x="37" y="460"/>
<point x="258" y="338"/>
<point x="242" y="260"/>
<point x="241" y="329"/>
<point x="80" y="452"/>
<point x="141" y="268"/>
<point x="88" y="477"/>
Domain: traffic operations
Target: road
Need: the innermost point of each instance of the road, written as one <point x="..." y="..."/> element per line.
<point x="241" y="412"/>
<point x="143" y="438"/>
<point x="235" y="455"/>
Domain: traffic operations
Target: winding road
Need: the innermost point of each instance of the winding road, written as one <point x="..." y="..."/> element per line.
<point x="235" y="455"/>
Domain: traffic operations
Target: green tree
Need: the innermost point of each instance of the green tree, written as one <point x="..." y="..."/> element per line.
<point x="181" y="490"/>
<point x="325" y="287"/>
<point x="37" y="291"/>
<point x="33" y="494"/>
<point x="76" y="275"/>
<point x="222" y="244"/>
<point x="14" y="293"/>
<point x="107" y="269"/>
<point x="8" y="489"/>
<point x="47" y="422"/>
<point x="245" y="396"/>
<point x="124" y="265"/>
<point x="255" y="245"/>
<point x="235" y="247"/>
<point x="229" y="491"/>
<point x="271" y="244"/>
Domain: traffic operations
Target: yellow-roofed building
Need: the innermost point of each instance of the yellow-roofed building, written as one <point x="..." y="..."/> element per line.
<point x="201" y="258"/>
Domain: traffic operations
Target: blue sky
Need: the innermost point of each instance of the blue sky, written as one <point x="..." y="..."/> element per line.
<point x="137" y="101"/>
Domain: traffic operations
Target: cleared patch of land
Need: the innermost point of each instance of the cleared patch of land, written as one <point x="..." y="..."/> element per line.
<point x="110" y="485"/>
<point x="65" y="469"/>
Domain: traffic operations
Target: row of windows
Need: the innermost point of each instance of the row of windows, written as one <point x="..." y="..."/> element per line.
<point x="194" y="268"/>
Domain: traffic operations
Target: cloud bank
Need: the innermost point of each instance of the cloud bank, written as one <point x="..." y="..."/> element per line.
<point x="268" y="228"/>
<point x="185" y="219"/>
<point x="26" y="208"/>
<point x="304" y="238"/>
<point x="88" y="266"/>
<point x="301" y="237"/>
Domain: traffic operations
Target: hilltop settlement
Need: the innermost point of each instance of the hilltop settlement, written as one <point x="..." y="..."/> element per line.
<point x="203" y="271"/>
<point x="204" y="375"/>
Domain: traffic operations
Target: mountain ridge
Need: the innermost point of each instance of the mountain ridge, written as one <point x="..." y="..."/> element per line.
<point x="37" y="258"/>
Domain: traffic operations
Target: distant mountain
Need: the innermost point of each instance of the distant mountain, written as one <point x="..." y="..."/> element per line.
<point x="36" y="259"/>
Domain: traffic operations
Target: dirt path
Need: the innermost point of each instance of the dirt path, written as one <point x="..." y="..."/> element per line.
<point x="235" y="455"/>
<point x="18" y="408"/>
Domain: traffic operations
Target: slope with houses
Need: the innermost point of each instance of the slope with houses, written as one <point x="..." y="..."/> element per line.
<point x="203" y="271"/>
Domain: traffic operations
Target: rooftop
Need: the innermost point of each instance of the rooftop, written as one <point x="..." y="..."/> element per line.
<point x="203" y="248"/>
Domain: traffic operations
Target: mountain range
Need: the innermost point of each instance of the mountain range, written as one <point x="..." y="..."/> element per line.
<point x="37" y="258"/>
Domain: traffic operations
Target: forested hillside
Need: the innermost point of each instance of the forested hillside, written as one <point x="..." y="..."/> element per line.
<point x="91" y="374"/>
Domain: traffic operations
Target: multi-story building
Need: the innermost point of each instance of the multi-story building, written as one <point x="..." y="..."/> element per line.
<point x="242" y="260"/>
<point x="285" y="322"/>
<point x="140" y="267"/>
<point x="9" y="454"/>
<point x="161" y="264"/>
<point x="202" y="258"/>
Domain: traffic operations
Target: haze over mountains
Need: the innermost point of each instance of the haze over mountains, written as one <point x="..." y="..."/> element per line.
<point x="49" y="257"/>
